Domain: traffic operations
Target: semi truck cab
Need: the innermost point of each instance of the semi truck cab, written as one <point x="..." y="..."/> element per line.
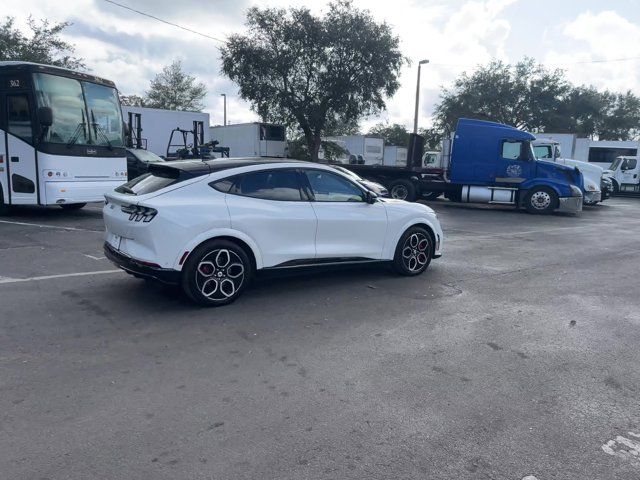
<point x="495" y="163"/>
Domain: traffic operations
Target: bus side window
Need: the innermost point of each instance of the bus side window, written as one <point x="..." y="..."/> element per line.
<point x="19" y="117"/>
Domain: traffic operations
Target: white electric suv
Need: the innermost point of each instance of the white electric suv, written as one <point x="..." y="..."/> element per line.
<point x="210" y="225"/>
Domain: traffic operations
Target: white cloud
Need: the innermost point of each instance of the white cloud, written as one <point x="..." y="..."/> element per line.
<point x="601" y="36"/>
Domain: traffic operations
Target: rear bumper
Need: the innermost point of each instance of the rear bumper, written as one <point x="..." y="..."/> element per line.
<point x="137" y="267"/>
<point x="569" y="204"/>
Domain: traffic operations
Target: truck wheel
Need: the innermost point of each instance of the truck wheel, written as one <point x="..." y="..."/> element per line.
<point x="402" y="190"/>
<point x="541" y="200"/>
<point x="413" y="252"/>
<point x="431" y="195"/>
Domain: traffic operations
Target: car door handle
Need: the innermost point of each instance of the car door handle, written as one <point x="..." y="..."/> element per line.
<point x="15" y="159"/>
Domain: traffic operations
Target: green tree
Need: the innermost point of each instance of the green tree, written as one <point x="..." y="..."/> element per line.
<point x="132" y="101"/>
<point x="297" y="68"/>
<point x="173" y="89"/>
<point x="43" y="45"/>
<point x="533" y="98"/>
<point x="394" y="134"/>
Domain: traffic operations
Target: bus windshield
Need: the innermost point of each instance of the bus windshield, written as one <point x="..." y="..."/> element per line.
<point x="83" y="113"/>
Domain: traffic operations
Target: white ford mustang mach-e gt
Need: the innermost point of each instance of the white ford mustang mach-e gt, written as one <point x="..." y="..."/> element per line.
<point x="210" y="225"/>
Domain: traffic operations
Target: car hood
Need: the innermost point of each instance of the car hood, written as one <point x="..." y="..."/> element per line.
<point x="407" y="206"/>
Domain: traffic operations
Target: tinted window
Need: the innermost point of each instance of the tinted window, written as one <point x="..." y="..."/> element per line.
<point x="608" y="155"/>
<point x="268" y="185"/>
<point x="630" y="164"/>
<point x="149" y="182"/>
<point x="19" y="117"/>
<point x="328" y="187"/>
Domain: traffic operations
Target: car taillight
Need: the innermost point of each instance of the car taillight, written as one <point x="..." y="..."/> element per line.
<point x="138" y="213"/>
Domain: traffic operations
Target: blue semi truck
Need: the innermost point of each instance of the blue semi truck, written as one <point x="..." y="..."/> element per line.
<point x="486" y="162"/>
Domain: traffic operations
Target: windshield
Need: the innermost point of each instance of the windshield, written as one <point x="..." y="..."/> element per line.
<point x="64" y="97"/>
<point x="104" y="113"/>
<point x="616" y="163"/>
<point x="542" y="151"/>
<point x="83" y="113"/>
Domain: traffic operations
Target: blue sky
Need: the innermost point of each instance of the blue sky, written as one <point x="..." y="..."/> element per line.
<point x="454" y="35"/>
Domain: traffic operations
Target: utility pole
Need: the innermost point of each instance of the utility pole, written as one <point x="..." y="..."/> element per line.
<point x="224" y="95"/>
<point x="415" y="118"/>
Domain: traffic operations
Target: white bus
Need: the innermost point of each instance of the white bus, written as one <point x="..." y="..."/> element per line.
<point x="61" y="137"/>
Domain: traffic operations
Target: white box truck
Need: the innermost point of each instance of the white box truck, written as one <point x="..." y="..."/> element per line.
<point x="371" y="149"/>
<point x="251" y="139"/>
<point x="599" y="152"/>
<point x="157" y="124"/>
<point x="394" y="155"/>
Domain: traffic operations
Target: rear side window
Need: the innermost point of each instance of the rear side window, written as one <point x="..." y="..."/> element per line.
<point x="148" y="183"/>
<point x="283" y="185"/>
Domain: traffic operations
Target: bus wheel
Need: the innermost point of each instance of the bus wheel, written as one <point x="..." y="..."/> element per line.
<point x="72" y="206"/>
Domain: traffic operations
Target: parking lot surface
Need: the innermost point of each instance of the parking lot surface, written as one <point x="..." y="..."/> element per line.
<point x="517" y="354"/>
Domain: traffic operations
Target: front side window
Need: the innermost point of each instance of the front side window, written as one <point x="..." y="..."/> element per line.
<point x="19" y="117"/>
<point x="64" y="97"/>
<point x="630" y="164"/>
<point x="105" y="117"/>
<point x="329" y="187"/>
<point x="516" y="150"/>
<point x="283" y="185"/>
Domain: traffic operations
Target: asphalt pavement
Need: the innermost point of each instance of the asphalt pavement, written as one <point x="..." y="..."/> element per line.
<point x="517" y="354"/>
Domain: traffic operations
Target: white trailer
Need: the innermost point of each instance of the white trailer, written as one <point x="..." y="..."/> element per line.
<point x="251" y="139"/>
<point x="157" y="125"/>
<point x="371" y="149"/>
<point x="395" y="156"/>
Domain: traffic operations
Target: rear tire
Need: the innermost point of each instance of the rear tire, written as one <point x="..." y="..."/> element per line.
<point x="72" y="206"/>
<point x="541" y="200"/>
<point x="402" y="190"/>
<point x="413" y="252"/>
<point x="216" y="273"/>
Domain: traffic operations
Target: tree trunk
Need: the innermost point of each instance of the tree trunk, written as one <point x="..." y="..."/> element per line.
<point x="313" y="143"/>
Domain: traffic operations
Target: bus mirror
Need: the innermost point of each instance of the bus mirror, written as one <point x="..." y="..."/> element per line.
<point x="45" y="115"/>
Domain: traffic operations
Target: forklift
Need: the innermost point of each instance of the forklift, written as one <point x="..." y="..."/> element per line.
<point x="181" y="149"/>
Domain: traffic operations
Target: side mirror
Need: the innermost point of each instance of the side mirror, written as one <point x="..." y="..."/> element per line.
<point x="371" y="197"/>
<point x="45" y="116"/>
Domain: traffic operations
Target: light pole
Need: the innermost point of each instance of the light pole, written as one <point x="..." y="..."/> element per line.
<point x="415" y="118"/>
<point x="225" y="107"/>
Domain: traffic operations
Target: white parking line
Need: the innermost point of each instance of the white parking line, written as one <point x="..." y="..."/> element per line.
<point x="58" y="227"/>
<point x="62" y="275"/>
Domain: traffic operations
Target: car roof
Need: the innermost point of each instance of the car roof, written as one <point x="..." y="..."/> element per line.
<point x="196" y="168"/>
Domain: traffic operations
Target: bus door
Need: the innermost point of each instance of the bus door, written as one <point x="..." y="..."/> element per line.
<point x="20" y="152"/>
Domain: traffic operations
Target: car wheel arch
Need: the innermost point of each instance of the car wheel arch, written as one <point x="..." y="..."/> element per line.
<point x="417" y="223"/>
<point x="250" y="248"/>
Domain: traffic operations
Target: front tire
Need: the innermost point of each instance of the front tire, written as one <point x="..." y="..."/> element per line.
<point x="216" y="273"/>
<point x="73" y="206"/>
<point x="541" y="200"/>
<point x="402" y="190"/>
<point x="413" y="252"/>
